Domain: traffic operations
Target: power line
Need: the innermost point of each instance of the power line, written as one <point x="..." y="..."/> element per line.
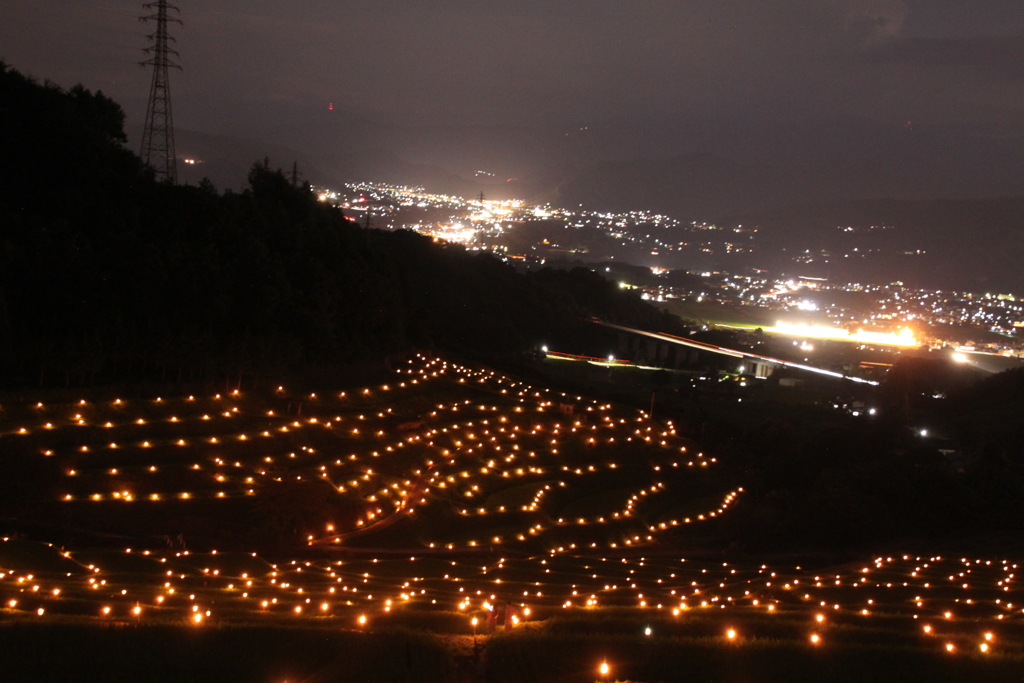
<point x="158" y="135"/>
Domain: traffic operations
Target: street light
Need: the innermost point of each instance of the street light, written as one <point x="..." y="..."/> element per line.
<point x="604" y="670"/>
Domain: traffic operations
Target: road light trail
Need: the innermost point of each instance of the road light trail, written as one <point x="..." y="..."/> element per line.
<point x="733" y="353"/>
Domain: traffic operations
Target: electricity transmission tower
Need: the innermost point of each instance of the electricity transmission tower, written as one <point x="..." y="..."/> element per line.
<point x="158" y="135"/>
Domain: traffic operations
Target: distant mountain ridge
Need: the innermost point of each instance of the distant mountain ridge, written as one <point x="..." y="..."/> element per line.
<point x="973" y="245"/>
<point x="706" y="186"/>
<point x="694" y="166"/>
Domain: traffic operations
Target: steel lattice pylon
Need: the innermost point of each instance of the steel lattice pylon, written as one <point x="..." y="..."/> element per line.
<point x="158" y="135"/>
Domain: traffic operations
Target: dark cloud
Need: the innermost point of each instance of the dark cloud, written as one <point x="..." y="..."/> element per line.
<point x="251" y="64"/>
<point x="993" y="55"/>
<point x="873" y="22"/>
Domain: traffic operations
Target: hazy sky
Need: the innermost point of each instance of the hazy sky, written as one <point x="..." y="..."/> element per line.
<point x="533" y="61"/>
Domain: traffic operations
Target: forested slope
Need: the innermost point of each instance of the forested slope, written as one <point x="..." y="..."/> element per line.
<point x="105" y="273"/>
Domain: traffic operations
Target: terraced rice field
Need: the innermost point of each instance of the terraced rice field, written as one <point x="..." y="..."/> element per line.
<point x="450" y="499"/>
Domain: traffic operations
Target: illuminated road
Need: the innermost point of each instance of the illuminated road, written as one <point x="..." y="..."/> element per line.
<point x="733" y="353"/>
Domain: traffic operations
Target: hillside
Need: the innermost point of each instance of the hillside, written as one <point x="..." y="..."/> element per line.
<point x="963" y="244"/>
<point x="105" y="273"/>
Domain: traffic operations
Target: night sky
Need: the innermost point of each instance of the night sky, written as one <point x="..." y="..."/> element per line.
<point x="255" y="68"/>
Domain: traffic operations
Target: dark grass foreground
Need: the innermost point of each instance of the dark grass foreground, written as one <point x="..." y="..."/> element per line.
<point x="575" y="659"/>
<point x="159" y="654"/>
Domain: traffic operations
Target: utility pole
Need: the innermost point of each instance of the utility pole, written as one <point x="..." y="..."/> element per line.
<point x="295" y="174"/>
<point x="158" y="135"/>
